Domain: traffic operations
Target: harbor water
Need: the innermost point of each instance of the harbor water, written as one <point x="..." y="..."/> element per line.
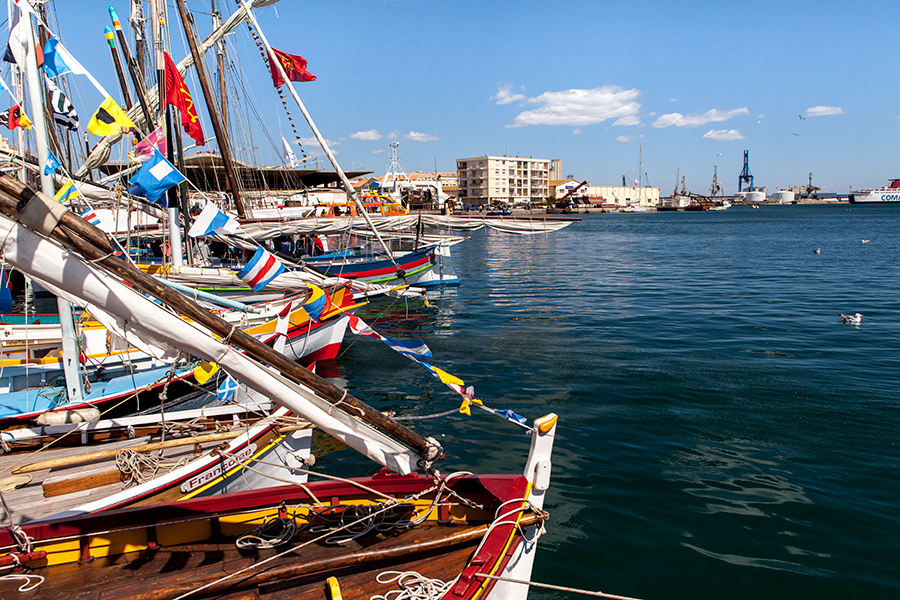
<point x="722" y="434"/>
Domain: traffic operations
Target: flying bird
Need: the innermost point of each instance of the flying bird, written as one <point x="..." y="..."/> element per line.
<point x="802" y="118"/>
<point x="851" y="319"/>
<point x="797" y="134"/>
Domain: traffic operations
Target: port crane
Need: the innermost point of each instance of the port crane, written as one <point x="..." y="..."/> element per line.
<point x="745" y="174"/>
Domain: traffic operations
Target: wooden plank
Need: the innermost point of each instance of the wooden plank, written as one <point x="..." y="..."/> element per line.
<point x="77" y="484"/>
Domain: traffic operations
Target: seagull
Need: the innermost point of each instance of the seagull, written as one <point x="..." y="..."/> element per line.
<point x="796" y="134"/>
<point x="802" y="118"/>
<point x="865" y="241"/>
<point x="817" y="251"/>
<point x="851" y="320"/>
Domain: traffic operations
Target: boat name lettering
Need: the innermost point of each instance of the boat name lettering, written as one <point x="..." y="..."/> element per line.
<point x="223" y="466"/>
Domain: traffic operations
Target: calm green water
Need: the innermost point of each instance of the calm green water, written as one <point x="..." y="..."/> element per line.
<point x="722" y="434"/>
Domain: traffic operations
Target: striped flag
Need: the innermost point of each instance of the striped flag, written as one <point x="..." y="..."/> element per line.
<point x="413" y="349"/>
<point x="63" y="111"/>
<point x="261" y="269"/>
<point x="91" y="217"/>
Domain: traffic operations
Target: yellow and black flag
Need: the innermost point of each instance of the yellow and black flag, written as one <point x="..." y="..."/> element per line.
<point x="108" y="119"/>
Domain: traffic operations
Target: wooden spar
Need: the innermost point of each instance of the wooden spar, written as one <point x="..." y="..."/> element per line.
<point x="220" y="53"/>
<point x="351" y="193"/>
<point x="80" y="459"/>
<point x="139" y="87"/>
<point x="221" y="138"/>
<point x="111" y="39"/>
<point x="76" y="233"/>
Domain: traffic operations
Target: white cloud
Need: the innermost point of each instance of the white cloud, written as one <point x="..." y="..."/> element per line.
<point x="378" y="151"/>
<point x="822" y="111"/>
<point x="311" y="141"/>
<point x="627" y="121"/>
<point x="505" y="96"/>
<point x="370" y="135"/>
<point x="723" y="135"/>
<point x="625" y="138"/>
<point x="711" y="116"/>
<point x="576" y="131"/>
<point x="415" y="136"/>
<point x="580" y="107"/>
<point x="393" y="135"/>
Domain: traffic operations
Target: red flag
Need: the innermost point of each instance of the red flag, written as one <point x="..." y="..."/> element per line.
<point x="14" y="117"/>
<point x="294" y="68"/>
<point x="178" y="95"/>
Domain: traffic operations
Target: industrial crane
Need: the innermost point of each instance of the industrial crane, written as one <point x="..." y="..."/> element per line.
<point x="745" y="174"/>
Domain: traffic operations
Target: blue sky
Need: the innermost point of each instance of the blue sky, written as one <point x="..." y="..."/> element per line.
<point x="693" y="84"/>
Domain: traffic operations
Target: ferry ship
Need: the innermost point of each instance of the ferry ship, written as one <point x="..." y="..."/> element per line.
<point x="885" y="194"/>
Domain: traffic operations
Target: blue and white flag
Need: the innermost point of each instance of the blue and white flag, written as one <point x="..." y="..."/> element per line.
<point x="261" y="269"/>
<point x="155" y="178"/>
<point x="91" y="217"/>
<point x="227" y="389"/>
<point x="212" y="220"/>
<point x="413" y="349"/>
<point x="58" y="61"/>
<point x="52" y="163"/>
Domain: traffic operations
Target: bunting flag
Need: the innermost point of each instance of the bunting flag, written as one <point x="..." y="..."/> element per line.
<point x="413" y="350"/>
<point x="261" y="269"/>
<point x="288" y="153"/>
<point x="178" y="95"/>
<point x="155" y="178"/>
<point x="19" y="40"/>
<point x="316" y="304"/>
<point x="294" y="68"/>
<point x="212" y="220"/>
<point x="144" y="149"/>
<point x="52" y="163"/>
<point x="108" y="119"/>
<point x="63" y="111"/>
<point x="58" y="61"/>
<point x="67" y="192"/>
<point x="15" y="117"/>
<point x="91" y="217"/>
<point x="409" y="348"/>
<point x="227" y="389"/>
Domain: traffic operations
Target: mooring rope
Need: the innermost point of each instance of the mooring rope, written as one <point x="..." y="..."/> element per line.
<point x="559" y="588"/>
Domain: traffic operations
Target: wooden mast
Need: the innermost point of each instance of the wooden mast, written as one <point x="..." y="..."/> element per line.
<point x="139" y="87"/>
<point x="208" y="96"/>
<point x="110" y="37"/>
<point x="77" y="234"/>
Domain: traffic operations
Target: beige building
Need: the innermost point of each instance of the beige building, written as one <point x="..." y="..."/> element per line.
<point x="608" y="195"/>
<point x="509" y="179"/>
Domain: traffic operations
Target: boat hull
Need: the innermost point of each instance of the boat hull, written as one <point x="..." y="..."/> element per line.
<point x="876" y="196"/>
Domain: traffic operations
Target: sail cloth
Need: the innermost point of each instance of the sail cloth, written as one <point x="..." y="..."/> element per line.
<point x="294" y="68"/>
<point x="178" y="95"/>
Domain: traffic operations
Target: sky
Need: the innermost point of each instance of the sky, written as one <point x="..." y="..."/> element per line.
<point x="610" y="88"/>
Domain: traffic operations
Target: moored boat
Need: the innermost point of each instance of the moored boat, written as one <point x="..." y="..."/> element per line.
<point x="890" y="193"/>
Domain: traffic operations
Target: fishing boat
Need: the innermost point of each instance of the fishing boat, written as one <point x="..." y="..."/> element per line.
<point x="891" y="193"/>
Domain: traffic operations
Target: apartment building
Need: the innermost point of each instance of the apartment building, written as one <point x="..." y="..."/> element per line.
<point x="507" y="179"/>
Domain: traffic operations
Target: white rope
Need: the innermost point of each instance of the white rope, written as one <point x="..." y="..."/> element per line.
<point x="413" y="586"/>
<point x="271" y="534"/>
<point x="556" y="587"/>
<point x="27" y="586"/>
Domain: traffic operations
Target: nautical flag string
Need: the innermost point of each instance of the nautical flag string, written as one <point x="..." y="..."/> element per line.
<point x="91" y="217"/>
<point x="414" y="350"/>
<point x="316" y="304"/>
<point x="212" y="220"/>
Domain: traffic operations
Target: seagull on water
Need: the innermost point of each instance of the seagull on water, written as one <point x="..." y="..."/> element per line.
<point x="851" y="319"/>
<point x="865" y="241"/>
<point x="817" y="251"/>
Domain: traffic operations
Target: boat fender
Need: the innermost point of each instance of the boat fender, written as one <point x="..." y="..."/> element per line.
<point x="334" y="588"/>
<point x="542" y="475"/>
<point x="64" y="417"/>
